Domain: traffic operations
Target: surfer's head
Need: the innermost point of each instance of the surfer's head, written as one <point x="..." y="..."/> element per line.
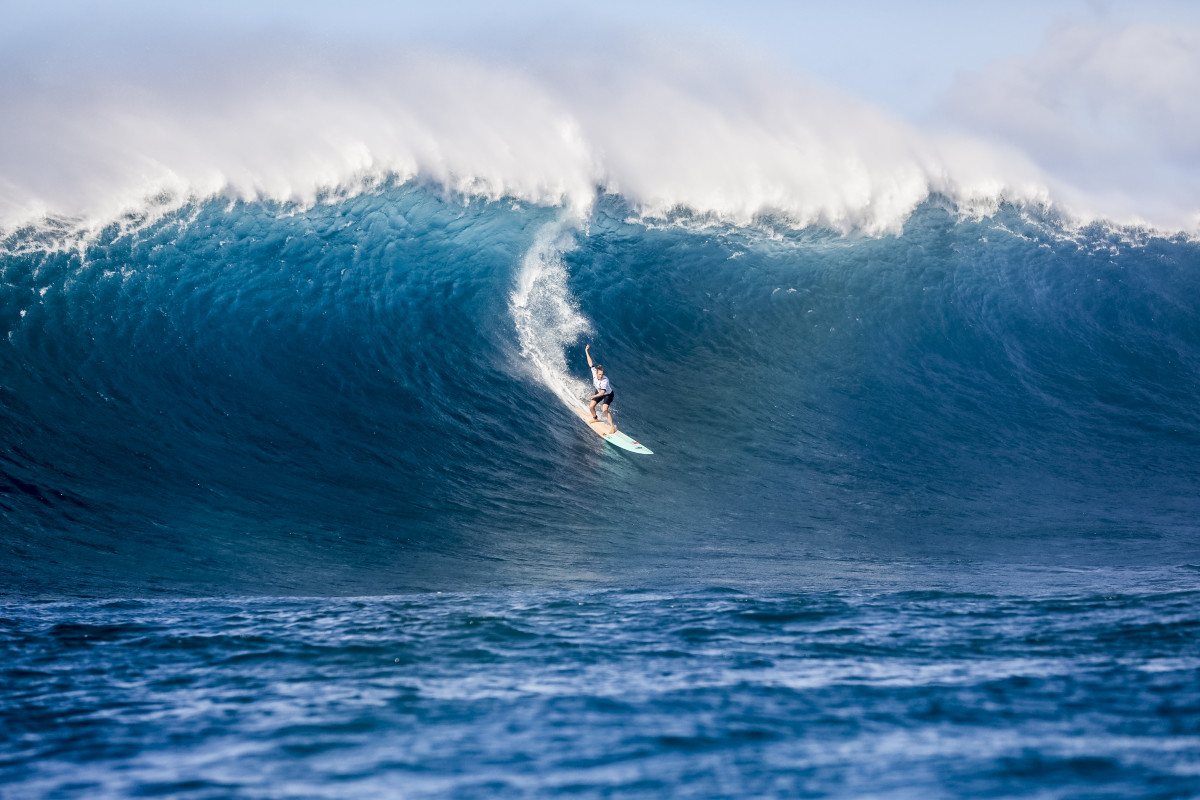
<point x="599" y="370"/>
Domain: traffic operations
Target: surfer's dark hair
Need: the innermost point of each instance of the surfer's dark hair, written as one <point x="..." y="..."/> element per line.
<point x="599" y="367"/>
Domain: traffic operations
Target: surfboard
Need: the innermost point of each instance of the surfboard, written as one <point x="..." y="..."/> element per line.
<point x="620" y="439"/>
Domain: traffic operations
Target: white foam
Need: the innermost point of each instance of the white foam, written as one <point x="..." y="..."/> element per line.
<point x="546" y="315"/>
<point x="718" y="132"/>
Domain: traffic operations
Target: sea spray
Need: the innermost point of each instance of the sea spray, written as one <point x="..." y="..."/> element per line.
<point x="546" y="315"/>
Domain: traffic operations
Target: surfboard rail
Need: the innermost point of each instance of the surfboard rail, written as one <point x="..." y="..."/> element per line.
<point x="600" y="428"/>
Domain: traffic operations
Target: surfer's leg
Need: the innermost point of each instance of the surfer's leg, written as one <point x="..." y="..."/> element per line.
<point x="592" y="409"/>
<point x="611" y="425"/>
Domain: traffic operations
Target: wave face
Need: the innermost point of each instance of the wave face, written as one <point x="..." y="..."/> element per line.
<point x="367" y="396"/>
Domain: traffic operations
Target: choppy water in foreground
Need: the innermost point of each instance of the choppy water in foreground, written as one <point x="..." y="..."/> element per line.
<point x="1034" y="683"/>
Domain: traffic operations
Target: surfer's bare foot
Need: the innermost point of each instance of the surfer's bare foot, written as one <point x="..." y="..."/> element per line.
<point x="614" y="430"/>
<point x="595" y="419"/>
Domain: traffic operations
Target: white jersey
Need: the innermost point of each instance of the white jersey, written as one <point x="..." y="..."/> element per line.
<point x="601" y="384"/>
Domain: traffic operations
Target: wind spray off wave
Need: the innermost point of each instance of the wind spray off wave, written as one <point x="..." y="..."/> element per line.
<point x="673" y="129"/>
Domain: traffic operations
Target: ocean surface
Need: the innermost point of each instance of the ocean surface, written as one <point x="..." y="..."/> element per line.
<point x="292" y="503"/>
<point x="1034" y="692"/>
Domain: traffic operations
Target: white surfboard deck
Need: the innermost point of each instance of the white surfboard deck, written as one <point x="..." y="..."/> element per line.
<point x="600" y="427"/>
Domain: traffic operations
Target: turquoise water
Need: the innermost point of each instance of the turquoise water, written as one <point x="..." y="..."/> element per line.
<point x="293" y="505"/>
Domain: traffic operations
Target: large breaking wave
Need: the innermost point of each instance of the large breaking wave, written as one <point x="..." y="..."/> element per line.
<point x="367" y="395"/>
<point x="315" y="331"/>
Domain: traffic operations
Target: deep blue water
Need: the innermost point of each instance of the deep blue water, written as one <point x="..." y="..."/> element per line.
<point x="921" y="518"/>
<point x="707" y="693"/>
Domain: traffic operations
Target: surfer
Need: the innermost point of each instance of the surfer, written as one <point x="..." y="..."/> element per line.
<point x="604" y="391"/>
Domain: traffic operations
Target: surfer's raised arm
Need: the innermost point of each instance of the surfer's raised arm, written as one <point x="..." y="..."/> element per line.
<point x="604" y="391"/>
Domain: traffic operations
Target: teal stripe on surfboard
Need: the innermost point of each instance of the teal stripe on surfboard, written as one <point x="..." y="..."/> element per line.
<point x="620" y="438"/>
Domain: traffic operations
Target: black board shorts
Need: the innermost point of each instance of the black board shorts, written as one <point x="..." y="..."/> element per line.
<point x="606" y="400"/>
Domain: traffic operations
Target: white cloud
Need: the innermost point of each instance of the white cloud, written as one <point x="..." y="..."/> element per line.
<point x="1111" y="113"/>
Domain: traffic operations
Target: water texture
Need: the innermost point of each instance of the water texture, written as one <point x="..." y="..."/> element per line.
<point x="710" y="693"/>
<point x="292" y="504"/>
<point x="367" y="397"/>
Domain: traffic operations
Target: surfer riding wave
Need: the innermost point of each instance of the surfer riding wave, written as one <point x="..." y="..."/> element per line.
<point x="604" y="392"/>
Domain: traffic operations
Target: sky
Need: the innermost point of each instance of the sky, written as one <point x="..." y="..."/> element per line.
<point x="899" y="56"/>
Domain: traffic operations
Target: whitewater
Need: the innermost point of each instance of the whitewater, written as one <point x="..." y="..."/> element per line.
<point x="666" y="122"/>
<point x="292" y="502"/>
